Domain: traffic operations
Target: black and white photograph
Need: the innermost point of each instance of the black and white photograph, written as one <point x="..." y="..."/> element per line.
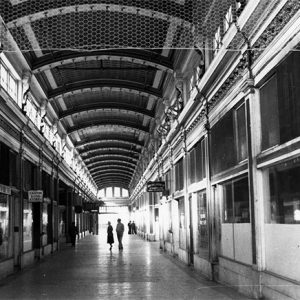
<point x="149" y="149"/>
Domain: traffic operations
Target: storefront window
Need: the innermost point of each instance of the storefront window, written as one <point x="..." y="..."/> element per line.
<point x="202" y="221"/>
<point x="179" y="182"/>
<point x="236" y="201"/>
<point x="284" y="202"/>
<point x="229" y="140"/>
<point x="280" y="105"/>
<point x="241" y="133"/>
<point x="181" y="210"/>
<point x="27" y="226"/>
<point x="45" y="223"/>
<point x="4" y="226"/>
<point x="196" y="163"/>
<point x="62" y="221"/>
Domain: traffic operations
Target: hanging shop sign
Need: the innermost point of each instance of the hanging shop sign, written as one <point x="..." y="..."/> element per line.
<point x="155" y="186"/>
<point x="35" y="196"/>
<point x="91" y="206"/>
<point x="5" y="189"/>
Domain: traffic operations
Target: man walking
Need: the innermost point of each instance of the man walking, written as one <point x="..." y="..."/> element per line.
<point x="120" y="231"/>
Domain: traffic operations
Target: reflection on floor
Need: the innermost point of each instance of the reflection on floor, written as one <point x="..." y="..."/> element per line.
<point x="91" y="271"/>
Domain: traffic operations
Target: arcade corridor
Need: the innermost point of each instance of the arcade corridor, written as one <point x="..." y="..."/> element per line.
<point x="90" y="271"/>
<point x="181" y="116"/>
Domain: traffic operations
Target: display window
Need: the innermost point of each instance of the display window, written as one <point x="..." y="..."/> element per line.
<point x="27" y="226"/>
<point x="182" y="226"/>
<point x="280" y="105"/>
<point x="62" y="221"/>
<point x="236" y="230"/>
<point x="229" y="140"/>
<point x="236" y="206"/>
<point x="283" y="206"/>
<point x="202" y="221"/>
<point x="4" y="226"/>
<point x="45" y="223"/>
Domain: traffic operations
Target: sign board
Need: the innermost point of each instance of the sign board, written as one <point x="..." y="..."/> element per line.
<point x="35" y="196"/>
<point x="155" y="186"/>
<point x="5" y="189"/>
<point x="3" y="198"/>
<point x="91" y="206"/>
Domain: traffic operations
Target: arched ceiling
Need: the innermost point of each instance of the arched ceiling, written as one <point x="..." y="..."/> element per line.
<point x="103" y="66"/>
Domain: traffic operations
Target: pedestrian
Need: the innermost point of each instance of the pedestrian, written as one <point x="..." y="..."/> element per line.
<point x="120" y="232"/>
<point x="73" y="232"/>
<point x="129" y="227"/>
<point x="110" y="235"/>
<point x="133" y="228"/>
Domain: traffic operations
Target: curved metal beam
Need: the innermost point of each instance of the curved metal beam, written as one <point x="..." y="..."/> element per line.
<point x="143" y="57"/>
<point x="106" y="105"/>
<point x="102" y="172"/>
<point x="109" y="146"/>
<point x="104" y="122"/>
<point x="112" y="172"/>
<point x="87" y="153"/>
<point x="167" y="12"/>
<point x="123" y="158"/>
<point x="107" y="166"/>
<point x="119" y="139"/>
<point x="114" y="184"/>
<point x="98" y="83"/>
<point x="112" y="168"/>
<point x="89" y="157"/>
<point x="111" y="181"/>
<point x="113" y="177"/>
<point x="101" y="162"/>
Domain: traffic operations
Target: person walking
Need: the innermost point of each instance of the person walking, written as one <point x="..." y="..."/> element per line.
<point x="133" y="228"/>
<point x="73" y="232"/>
<point x="120" y="232"/>
<point x="129" y="227"/>
<point x="110" y="235"/>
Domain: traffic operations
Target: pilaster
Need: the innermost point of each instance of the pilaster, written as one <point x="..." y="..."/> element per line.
<point x="256" y="179"/>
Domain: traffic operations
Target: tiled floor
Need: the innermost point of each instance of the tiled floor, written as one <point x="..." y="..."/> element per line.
<point x="90" y="271"/>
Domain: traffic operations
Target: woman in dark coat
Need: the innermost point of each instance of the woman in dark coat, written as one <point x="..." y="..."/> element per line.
<point x="110" y="236"/>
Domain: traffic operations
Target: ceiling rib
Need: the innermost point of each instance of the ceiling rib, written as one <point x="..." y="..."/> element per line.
<point x="83" y="8"/>
<point x="102" y="162"/>
<point x="105" y="105"/>
<point x="109" y="183"/>
<point x="110" y="145"/>
<point x="111" y="166"/>
<point x="119" y="156"/>
<point x="109" y="83"/>
<point x="106" y="123"/>
<point x="108" y="148"/>
<point x="142" y="57"/>
<point x="119" y="139"/>
<point x="111" y="172"/>
<point x="113" y="177"/>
